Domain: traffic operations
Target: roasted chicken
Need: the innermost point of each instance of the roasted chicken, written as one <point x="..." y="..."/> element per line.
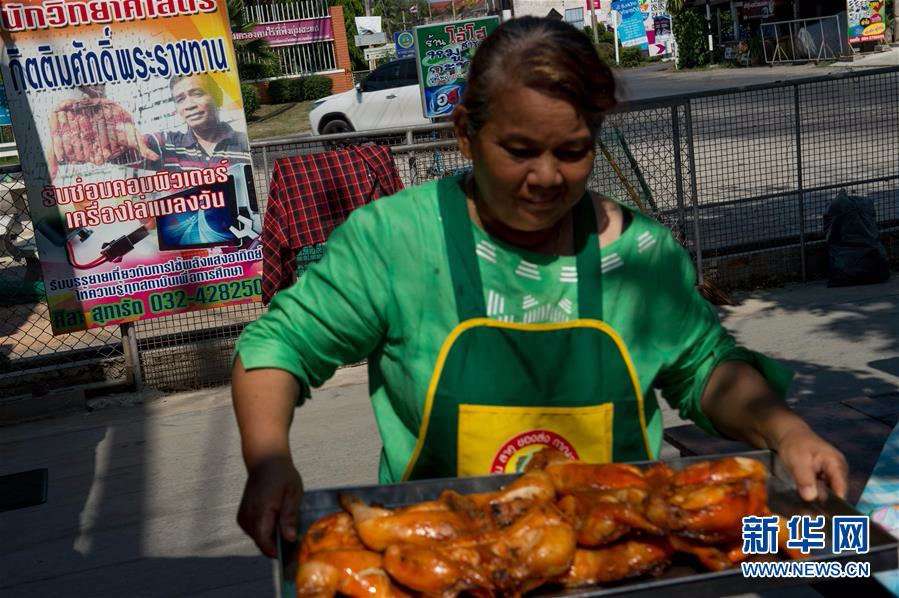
<point x="334" y="561"/>
<point x="562" y="522"/>
<point x="534" y="549"/>
<point x="629" y="558"/>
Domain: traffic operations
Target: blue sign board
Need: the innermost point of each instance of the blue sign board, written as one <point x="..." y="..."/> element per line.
<point x="4" y="107"/>
<point x="405" y="44"/>
<point x="631" y="31"/>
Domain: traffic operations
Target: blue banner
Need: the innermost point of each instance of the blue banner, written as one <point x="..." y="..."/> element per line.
<point x="631" y="31"/>
<point x="4" y="107"/>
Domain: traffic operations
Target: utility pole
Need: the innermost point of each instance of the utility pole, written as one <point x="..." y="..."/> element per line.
<point x="708" y="29"/>
<point x="593" y="21"/>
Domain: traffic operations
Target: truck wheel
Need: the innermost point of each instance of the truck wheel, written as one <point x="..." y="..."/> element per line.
<point x="336" y="126"/>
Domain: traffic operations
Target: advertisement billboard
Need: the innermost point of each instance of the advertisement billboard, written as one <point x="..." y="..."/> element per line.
<point x="632" y="30"/>
<point x="866" y="21"/>
<point x="129" y="124"/>
<point x="443" y="53"/>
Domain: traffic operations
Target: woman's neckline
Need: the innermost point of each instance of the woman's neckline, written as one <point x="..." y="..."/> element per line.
<point x="535" y="256"/>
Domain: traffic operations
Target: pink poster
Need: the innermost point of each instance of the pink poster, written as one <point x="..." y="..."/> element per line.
<point x="290" y="33"/>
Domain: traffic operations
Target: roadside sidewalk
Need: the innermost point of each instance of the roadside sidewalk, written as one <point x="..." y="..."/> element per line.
<point x="142" y="499"/>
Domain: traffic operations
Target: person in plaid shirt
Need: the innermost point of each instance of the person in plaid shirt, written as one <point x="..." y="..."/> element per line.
<point x="509" y="309"/>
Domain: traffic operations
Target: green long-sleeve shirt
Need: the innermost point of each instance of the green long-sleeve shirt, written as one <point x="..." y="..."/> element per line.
<point x="383" y="292"/>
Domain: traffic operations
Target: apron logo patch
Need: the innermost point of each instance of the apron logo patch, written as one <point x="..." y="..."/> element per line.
<point x="515" y="453"/>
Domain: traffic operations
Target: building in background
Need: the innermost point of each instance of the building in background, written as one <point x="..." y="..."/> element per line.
<point x="572" y="11"/>
<point x="308" y="36"/>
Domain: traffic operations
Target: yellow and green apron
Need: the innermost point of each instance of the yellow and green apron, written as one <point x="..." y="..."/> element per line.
<point x="502" y="391"/>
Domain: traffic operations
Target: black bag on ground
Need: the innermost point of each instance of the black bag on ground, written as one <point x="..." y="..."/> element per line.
<point x="855" y="254"/>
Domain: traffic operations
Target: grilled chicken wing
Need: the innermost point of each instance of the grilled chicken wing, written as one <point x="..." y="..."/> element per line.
<point x="572" y="476"/>
<point x="602" y="517"/>
<point x="537" y="547"/>
<point x="708" y="501"/>
<point x="423" y="523"/>
<point x="505" y="506"/>
<point x="356" y="573"/>
<point x="628" y="558"/>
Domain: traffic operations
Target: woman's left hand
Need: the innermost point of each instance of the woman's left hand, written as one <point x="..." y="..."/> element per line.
<point x="809" y="457"/>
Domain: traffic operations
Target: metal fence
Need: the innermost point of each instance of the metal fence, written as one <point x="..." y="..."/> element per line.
<point x="742" y="178"/>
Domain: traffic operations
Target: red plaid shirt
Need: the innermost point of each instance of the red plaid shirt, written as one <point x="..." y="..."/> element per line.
<point x="310" y="196"/>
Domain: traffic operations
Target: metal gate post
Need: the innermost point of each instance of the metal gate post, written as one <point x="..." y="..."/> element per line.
<point x="268" y="175"/>
<point x="678" y="177"/>
<point x="800" y="191"/>
<point x="694" y="200"/>
<point x="132" y="357"/>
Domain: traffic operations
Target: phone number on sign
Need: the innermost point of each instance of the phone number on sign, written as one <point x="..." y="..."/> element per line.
<point x="207" y="294"/>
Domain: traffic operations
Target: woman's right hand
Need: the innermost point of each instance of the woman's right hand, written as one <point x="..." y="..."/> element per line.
<point x="271" y="500"/>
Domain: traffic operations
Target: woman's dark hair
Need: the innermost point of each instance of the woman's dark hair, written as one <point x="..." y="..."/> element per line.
<point x="548" y="56"/>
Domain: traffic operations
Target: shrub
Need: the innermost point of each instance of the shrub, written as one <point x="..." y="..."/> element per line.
<point x="250" y="98"/>
<point x="282" y="91"/>
<point x="604" y="36"/>
<point x="631" y="56"/>
<point x="316" y="87"/>
<point x="689" y="32"/>
<point x="252" y="71"/>
<point x="296" y="89"/>
<point x="606" y="53"/>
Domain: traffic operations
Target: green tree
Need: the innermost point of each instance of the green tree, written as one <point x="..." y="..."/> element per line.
<point x="255" y="59"/>
<point x="351" y="10"/>
<point x="689" y="33"/>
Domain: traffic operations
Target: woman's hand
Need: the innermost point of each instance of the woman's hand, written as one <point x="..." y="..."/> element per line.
<point x="264" y="401"/>
<point x="739" y="402"/>
<point x="271" y="499"/>
<point x="809" y="457"/>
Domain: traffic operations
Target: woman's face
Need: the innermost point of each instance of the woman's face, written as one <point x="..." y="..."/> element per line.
<point x="531" y="159"/>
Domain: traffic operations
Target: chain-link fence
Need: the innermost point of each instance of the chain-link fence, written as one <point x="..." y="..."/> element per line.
<point x="742" y="178"/>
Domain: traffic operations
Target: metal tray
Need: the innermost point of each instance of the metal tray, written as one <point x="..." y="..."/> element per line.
<point x="681" y="579"/>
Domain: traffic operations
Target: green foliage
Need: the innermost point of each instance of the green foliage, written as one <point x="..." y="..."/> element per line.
<point x="674" y="7"/>
<point x="252" y="71"/>
<point x="605" y="37"/>
<point x="255" y="59"/>
<point x="282" y="91"/>
<point x="316" y="87"/>
<point x="250" y="98"/>
<point x="351" y="10"/>
<point x="631" y="56"/>
<point x="692" y="48"/>
<point x="299" y="89"/>
<point x="606" y="52"/>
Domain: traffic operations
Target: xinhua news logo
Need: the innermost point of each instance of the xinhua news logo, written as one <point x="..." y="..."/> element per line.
<point x="849" y="534"/>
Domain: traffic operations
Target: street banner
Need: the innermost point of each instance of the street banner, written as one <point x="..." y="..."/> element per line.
<point x="4" y="108"/>
<point x="631" y="31"/>
<point x="443" y="53"/>
<point x="663" y="35"/>
<point x="866" y="21"/>
<point x="290" y="33"/>
<point x="129" y="124"/>
<point x="405" y="44"/>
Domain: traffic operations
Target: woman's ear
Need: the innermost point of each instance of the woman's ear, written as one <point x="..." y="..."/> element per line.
<point x="460" y="126"/>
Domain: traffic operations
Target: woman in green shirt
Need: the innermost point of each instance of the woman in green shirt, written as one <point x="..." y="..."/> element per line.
<point x="509" y="309"/>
